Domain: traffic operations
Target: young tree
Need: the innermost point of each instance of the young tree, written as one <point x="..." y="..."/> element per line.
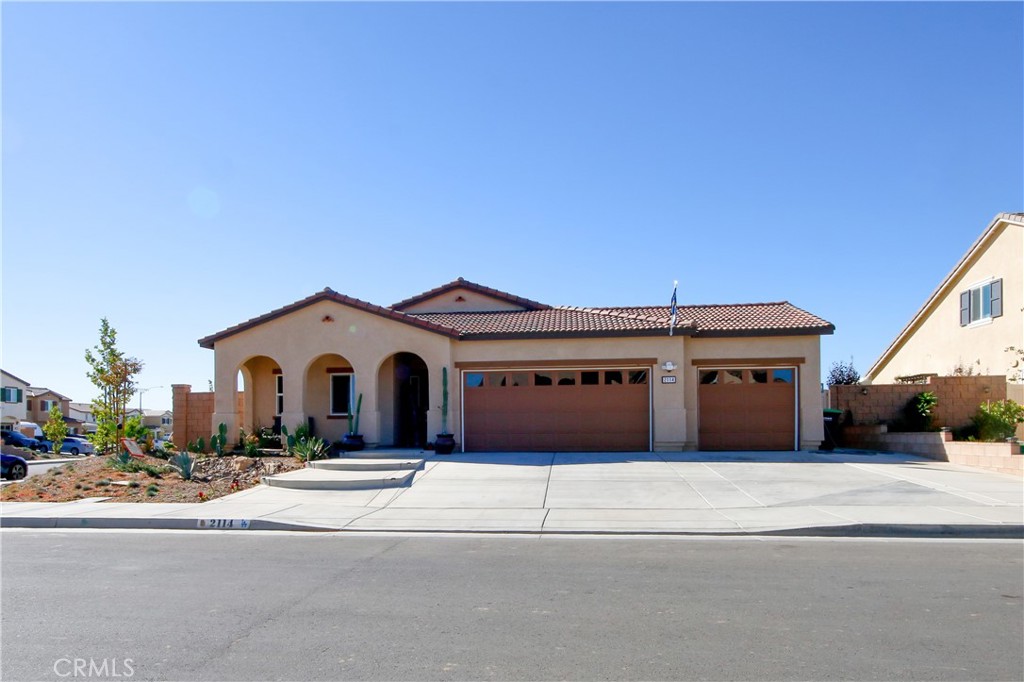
<point x="113" y="374"/>
<point x="55" y="428"/>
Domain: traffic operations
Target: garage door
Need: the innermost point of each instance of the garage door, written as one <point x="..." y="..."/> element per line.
<point x="747" y="409"/>
<point x="588" y="410"/>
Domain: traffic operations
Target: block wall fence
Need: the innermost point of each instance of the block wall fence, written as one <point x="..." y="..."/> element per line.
<point x="193" y="416"/>
<point x="958" y="399"/>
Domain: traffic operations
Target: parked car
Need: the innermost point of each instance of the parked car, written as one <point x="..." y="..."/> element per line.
<point x="19" y="440"/>
<point x="13" y="467"/>
<point x="71" y="446"/>
<point x="85" y="445"/>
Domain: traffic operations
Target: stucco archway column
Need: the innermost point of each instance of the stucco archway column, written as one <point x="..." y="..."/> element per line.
<point x="225" y="399"/>
<point x="294" y="379"/>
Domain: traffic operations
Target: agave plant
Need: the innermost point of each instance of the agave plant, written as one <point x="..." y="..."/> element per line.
<point x="184" y="463"/>
<point x="309" y="449"/>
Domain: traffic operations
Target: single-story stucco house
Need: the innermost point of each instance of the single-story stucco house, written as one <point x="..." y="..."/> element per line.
<point x="526" y="376"/>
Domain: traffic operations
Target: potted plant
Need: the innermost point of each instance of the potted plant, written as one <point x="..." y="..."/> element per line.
<point x="444" y="443"/>
<point x="353" y="440"/>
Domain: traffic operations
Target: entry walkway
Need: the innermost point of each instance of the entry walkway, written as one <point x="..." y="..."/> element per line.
<point x="805" y="493"/>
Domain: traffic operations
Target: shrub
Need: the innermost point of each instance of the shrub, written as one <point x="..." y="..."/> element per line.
<point x="998" y="420"/>
<point x="132" y="466"/>
<point x="917" y="412"/>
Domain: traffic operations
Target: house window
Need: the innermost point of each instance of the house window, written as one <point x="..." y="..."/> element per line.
<point x="10" y="395"/>
<point x="341" y="393"/>
<point x="46" y="405"/>
<point x="982" y="302"/>
<point x="279" y="387"/>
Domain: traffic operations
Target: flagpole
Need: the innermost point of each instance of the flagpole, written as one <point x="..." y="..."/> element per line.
<point x="673" y="309"/>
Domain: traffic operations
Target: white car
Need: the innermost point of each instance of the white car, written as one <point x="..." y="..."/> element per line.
<point x="77" y="445"/>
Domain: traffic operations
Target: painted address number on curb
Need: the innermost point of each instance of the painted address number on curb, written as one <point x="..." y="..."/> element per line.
<point x="241" y="524"/>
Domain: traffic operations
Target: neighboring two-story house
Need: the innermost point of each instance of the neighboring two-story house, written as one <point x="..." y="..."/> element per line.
<point x="971" y="319"/>
<point x="39" y="402"/>
<point x="13" y="397"/>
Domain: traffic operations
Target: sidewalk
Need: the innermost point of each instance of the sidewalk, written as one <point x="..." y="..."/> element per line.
<point x="846" y="493"/>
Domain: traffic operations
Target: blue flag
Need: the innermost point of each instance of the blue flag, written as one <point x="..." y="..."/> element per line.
<point x="674" y="311"/>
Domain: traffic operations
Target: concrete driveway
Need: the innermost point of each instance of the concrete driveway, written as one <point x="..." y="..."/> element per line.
<point x="842" y="493"/>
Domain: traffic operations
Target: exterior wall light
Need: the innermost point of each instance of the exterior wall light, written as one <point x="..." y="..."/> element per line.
<point x="668" y="366"/>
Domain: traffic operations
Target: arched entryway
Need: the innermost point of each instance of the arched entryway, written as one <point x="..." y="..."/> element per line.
<point x="262" y="393"/>
<point x="404" y="391"/>
<point x="329" y="396"/>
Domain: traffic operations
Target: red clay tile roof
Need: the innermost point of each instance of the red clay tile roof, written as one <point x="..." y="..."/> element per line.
<point x="461" y="283"/>
<point x="746" y="319"/>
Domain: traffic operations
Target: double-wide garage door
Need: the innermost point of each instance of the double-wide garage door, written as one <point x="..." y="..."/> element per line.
<point x="574" y="410"/>
<point x="747" y="409"/>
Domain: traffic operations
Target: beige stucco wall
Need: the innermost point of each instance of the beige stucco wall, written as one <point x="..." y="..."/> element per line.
<point x="811" y="430"/>
<point x="939" y="344"/>
<point x="297" y="339"/>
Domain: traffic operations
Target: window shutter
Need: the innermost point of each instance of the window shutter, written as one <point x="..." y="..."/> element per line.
<point x="997" y="298"/>
<point x="965" y="308"/>
<point x="18" y="394"/>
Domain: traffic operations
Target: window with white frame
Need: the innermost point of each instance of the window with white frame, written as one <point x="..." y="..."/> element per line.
<point x="9" y="394"/>
<point x="46" y="405"/>
<point x="280" y="394"/>
<point x="981" y="302"/>
<point x="341" y="393"/>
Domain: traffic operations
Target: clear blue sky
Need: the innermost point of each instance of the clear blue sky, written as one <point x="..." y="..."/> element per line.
<point x="182" y="167"/>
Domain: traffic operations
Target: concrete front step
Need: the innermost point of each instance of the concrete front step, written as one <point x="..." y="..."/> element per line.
<point x="385" y="453"/>
<point x="325" y="479"/>
<point x="366" y="464"/>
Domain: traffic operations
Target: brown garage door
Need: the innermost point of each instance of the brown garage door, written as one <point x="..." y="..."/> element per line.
<point x="747" y="409"/>
<point x="589" y="410"/>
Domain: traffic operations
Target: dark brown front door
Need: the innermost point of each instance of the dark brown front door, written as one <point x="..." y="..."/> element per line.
<point x="747" y="409"/>
<point x="590" y="410"/>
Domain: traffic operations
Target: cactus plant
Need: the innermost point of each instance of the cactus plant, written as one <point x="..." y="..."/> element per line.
<point x="289" y="439"/>
<point x="353" y="424"/>
<point x="219" y="440"/>
<point x="444" y="400"/>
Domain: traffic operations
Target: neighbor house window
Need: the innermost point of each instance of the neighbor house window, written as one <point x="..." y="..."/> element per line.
<point x="45" y="405"/>
<point x="10" y="395"/>
<point x="982" y="302"/>
<point x="280" y="394"/>
<point x="341" y="393"/>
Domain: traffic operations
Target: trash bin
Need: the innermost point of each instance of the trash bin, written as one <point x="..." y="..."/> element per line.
<point x="831" y="419"/>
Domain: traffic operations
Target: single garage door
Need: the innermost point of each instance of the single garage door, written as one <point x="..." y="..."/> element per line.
<point x="575" y="410"/>
<point x="747" y="409"/>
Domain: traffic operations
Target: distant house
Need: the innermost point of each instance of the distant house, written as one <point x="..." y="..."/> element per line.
<point x="524" y="375"/>
<point x="160" y="422"/>
<point x="82" y="413"/>
<point x="13" y="397"/>
<point x="971" y="318"/>
<point x="39" y="402"/>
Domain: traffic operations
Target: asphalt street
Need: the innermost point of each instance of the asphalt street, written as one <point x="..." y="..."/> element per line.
<point x="265" y="606"/>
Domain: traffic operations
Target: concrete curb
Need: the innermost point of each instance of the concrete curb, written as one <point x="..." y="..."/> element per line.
<point x="68" y="523"/>
<point x="856" y="530"/>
